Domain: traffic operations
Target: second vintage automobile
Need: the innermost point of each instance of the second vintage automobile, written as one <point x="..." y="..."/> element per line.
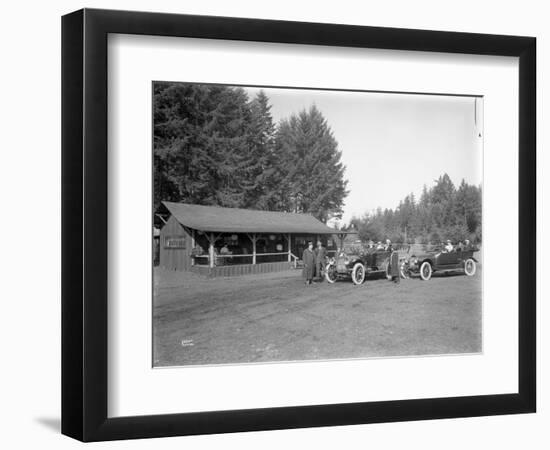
<point x="427" y="262"/>
<point x="356" y="261"/>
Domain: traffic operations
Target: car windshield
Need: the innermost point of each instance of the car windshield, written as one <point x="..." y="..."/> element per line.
<point x="425" y="248"/>
<point x="354" y="248"/>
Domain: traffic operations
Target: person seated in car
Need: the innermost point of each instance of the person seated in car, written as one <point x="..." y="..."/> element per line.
<point x="388" y="247"/>
<point x="449" y="246"/>
<point x="467" y="245"/>
<point x="379" y="246"/>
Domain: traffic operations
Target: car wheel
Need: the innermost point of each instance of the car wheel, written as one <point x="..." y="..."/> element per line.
<point x="330" y="273"/>
<point x="426" y="271"/>
<point x="358" y="273"/>
<point x="470" y="267"/>
<point x="404" y="270"/>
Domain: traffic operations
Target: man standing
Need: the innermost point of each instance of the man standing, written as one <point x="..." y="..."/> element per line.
<point x="395" y="276"/>
<point x="308" y="257"/>
<point x="320" y="260"/>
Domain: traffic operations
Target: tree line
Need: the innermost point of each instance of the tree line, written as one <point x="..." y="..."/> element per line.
<point x="213" y="145"/>
<point x="442" y="212"/>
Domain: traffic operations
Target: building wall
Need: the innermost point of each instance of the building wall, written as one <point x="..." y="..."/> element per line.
<point x="175" y="246"/>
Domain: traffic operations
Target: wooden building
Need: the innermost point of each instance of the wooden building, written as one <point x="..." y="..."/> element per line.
<point x="220" y="241"/>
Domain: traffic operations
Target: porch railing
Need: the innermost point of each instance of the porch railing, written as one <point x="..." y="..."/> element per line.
<point x="242" y="258"/>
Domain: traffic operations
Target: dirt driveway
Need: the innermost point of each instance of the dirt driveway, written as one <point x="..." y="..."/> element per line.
<point x="274" y="317"/>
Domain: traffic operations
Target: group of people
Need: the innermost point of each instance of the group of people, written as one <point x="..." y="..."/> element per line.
<point x="380" y="245"/>
<point x="449" y="247"/>
<point x="315" y="261"/>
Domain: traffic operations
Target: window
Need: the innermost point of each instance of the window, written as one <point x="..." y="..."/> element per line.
<point x="174" y="242"/>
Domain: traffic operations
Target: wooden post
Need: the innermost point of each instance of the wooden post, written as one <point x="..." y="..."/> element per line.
<point x="211" y="250"/>
<point x="254" y="248"/>
<point x="193" y="244"/>
<point x="289" y="249"/>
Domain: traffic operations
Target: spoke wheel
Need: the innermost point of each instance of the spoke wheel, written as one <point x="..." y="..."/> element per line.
<point x="426" y="271"/>
<point x="358" y="273"/>
<point x="470" y="267"/>
<point x="330" y="273"/>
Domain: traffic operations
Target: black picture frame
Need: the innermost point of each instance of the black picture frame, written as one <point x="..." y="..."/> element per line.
<point x="84" y="224"/>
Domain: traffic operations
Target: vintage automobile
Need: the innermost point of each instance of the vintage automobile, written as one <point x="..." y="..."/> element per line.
<point x="439" y="260"/>
<point x="356" y="261"/>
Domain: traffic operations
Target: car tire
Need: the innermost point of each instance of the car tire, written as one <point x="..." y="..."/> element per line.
<point x="358" y="274"/>
<point x="470" y="267"/>
<point x="426" y="271"/>
<point x="330" y="273"/>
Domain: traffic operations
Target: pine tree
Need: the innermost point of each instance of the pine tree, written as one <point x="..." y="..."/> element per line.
<point x="443" y="212"/>
<point x="311" y="171"/>
<point x="261" y="173"/>
<point x="213" y="146"/>
<point x="200" y="143"/>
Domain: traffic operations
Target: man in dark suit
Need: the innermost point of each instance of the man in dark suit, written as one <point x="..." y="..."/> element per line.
<point x="395" y="275"/>
<point x="308" y="258"/>
<point x="320" y="260"/>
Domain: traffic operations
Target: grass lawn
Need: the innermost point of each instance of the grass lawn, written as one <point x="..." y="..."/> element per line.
<point x="275" y="317"/>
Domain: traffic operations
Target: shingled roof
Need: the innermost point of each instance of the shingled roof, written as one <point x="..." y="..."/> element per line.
<point x="236" y="220"/>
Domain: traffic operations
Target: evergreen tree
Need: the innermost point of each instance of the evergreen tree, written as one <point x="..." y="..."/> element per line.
<point x="213" y="146"/>
<point x="311" y="171"/>
<point x="201" y="143"/>
<point x="443" y="212"/>
<point x="261" y="170"/>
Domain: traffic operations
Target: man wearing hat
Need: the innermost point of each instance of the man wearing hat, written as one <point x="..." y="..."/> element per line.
<point x="320" y="260"/>
<point x="394" y="273"/>
<point x="308" y="258"/>
<point x="449" y="246"/>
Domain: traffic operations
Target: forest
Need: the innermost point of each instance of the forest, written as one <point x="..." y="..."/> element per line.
<point x="213" y="145"/>
<point x="442" y="212"/>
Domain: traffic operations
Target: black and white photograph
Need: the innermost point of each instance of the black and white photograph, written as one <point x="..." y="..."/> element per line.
<point x="301" y="224"/>
<point x="271" y="225"/>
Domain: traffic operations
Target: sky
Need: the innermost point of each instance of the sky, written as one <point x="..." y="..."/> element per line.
<point x="393" y="144"/>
